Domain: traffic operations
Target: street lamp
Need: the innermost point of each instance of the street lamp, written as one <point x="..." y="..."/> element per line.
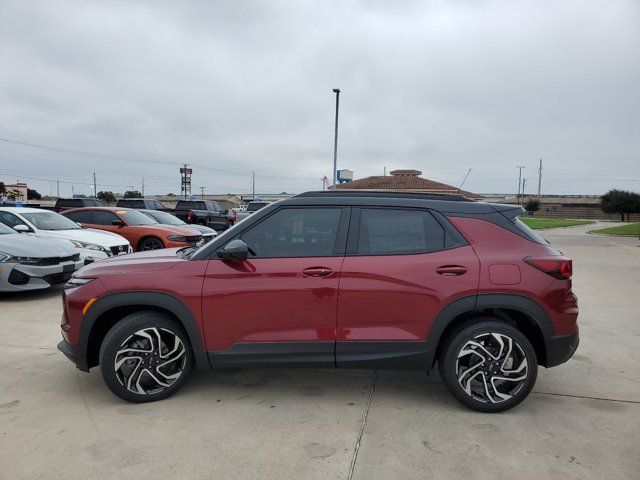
<point x="335" y="140"/>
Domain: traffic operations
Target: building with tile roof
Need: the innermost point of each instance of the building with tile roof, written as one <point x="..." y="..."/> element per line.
<point x="405" y="180"/>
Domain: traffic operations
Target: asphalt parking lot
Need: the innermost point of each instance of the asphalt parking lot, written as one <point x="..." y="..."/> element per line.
<point x="582" y="422"/>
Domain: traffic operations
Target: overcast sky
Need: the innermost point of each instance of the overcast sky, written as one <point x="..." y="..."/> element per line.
<point x="231" y="87"/>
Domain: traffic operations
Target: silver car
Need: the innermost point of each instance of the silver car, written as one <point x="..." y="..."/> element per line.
<point x="28" y="262"/>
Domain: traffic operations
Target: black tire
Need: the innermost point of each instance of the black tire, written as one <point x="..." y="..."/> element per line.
<point x="497" y="384"/>
<point x="148" y="366"/>
<point x="150" y="243"/>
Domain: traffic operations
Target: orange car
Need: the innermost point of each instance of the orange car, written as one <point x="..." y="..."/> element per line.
<point x="142" y="231"/>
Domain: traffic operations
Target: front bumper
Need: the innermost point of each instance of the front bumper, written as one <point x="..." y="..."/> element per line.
<point x="561" y="348"/>
<point x="36" y="277"/>
<point x="70" y="353"/>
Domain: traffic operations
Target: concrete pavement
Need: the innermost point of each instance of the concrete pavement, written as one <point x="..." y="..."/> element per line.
<point x="582" y="422"/>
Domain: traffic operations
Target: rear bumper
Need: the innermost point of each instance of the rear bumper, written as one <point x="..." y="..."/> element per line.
<point x="561" y="348"/>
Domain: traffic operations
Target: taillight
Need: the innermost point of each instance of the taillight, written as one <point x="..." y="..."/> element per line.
<point x="190" y="216"/>
<point x="557" y="266"/>
<point x="235" y="216"/>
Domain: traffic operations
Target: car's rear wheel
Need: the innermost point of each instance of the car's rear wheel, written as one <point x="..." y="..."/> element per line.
<point x="150" y="243"/>
<point x="489" y="365"/>
<point x="145" y="357"/>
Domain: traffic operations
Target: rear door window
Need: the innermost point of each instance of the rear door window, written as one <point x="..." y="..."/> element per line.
<point x="395" y="231"/>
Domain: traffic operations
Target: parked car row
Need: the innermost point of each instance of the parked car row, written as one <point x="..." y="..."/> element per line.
<point x="197" y="212"/>
<point x="63" y="242"/>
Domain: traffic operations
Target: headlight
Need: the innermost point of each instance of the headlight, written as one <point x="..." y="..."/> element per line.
<point x="6" y="258"/>
<point x="176" y="238"/>
<point x="77" y="282"/>
<point x="90" y="246"/>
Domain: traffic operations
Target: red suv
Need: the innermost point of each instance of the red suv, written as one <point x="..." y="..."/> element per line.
<point x="336" y="280"/>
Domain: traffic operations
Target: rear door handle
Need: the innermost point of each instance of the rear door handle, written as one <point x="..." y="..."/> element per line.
<point x="451" y="270"/>
<point x="317" y="272"/>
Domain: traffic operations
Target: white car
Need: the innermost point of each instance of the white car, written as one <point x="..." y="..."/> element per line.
<point x="91" y="244"/>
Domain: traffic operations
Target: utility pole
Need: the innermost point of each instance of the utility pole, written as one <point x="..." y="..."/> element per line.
<point x="335" y="140"/>
<point x="143" y="187"/>
<point x="202" y="193"/>
<point x="253" y="185"/>
<point x="58" y="188"/>
<point x="520" y="167"/>
<point x="95" y="191"/>
<point x="524" y="182"/>
<point x="384" y="172"/>
<point x="185" y="185"/>
<point x="540" y="178"/>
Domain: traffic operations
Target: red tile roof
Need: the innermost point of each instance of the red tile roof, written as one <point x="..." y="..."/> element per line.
<point x="404" y="180"/>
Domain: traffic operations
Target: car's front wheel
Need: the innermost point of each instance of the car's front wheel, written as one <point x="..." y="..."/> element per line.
<point x="145" y="357"/>
<point x="489" y="365"/>
<point x="150" y="243"/>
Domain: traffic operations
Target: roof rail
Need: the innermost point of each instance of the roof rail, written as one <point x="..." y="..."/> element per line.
<point x="449" y="197"/>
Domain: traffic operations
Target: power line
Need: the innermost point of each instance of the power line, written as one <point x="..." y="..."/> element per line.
<point x="136" y="159"/>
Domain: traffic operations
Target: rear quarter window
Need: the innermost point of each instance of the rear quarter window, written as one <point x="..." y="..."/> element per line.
<point x="529" y="232"/>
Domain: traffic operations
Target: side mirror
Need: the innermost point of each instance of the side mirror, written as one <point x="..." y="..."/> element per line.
<point x="235" y="250"/>
<point x="117" y="223"/>
<point x="21" y="229"/>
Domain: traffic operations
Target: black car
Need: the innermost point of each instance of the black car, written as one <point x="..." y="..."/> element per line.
<point x="142" y="203"/>
<point x="203" y="212"/>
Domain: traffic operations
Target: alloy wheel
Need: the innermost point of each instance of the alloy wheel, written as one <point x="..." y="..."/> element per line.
<point x="150" y="361"/>
<point x="491" y="367"/>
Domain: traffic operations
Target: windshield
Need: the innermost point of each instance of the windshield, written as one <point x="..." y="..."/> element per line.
<point x="134" y="217"/>
<point x="50" y="221"/>
<point x="4" y="229"/>
<point x="165" y="218"/>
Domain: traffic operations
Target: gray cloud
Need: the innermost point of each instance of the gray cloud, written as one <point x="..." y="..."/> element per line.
<point x="239" y="86"/>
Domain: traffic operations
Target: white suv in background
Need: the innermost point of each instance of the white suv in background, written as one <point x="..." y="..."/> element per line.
<point x="91" y="244"/>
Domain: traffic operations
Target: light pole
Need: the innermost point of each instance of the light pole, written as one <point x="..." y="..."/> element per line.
<point x="519" y="167"/>
<point x="335" y="140"/>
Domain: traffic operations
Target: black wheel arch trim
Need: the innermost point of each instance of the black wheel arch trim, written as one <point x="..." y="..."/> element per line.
<point x="141" y="299"/>
<point x="472" y="304"/>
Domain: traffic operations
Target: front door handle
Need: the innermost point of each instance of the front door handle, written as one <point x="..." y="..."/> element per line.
<point x="451" y="270"/>
<point x="317" y="272"/>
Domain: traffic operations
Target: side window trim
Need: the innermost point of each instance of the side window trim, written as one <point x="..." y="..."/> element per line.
<point x="340" y="244"/>
<point x="354" y="231"/>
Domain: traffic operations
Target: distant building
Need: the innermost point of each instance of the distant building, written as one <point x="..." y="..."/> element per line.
<point x="406" y="180"/>
<point x="17" y="191"/>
